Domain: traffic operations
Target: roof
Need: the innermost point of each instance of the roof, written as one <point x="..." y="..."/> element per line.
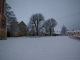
<point x="74" y="31"/>
<point x="22" y="23"/>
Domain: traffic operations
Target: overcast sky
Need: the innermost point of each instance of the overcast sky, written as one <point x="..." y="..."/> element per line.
<point x="65" y="12"/>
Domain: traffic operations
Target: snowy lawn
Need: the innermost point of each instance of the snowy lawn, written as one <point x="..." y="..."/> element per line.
<point x="44" y="48"/>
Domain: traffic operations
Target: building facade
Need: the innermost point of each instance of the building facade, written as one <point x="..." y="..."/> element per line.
<point x="75" y="32"/>
<point x="14" y="31"/>
<point x="3" y="30"/>
<point x="23" y="29"/>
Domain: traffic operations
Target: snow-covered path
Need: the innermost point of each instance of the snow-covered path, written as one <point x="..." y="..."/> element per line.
<point x="44" y="48"/>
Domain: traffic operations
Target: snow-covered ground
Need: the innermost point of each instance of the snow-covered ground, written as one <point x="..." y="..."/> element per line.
<point x="42" y="48"/>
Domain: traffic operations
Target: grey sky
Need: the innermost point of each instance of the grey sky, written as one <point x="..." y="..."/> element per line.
<point x="65" y="12"/>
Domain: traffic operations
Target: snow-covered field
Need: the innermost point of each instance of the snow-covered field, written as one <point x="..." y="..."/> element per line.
<point x="42" y="48"/>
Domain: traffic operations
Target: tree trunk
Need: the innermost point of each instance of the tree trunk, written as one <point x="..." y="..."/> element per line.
<point x="37" y="33"/>
<point x="37" y="25"/>
<point x="37" y="30"/>
<point x="50" y="32"/>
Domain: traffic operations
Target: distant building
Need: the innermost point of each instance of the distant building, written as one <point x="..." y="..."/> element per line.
<point x="41" y="33"/>
<point x="14" y="31"/>
<point x="3" y="30"/>
<point x="74" y="32"/>
<point x="56" y="33"/>
<point x="23" y="29"/>
<point x="17" y="29"/>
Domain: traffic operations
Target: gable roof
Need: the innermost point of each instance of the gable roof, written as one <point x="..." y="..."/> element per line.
<point x="22" y="23"/>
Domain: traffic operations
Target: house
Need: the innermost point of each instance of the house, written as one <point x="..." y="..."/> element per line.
<point x="3" y="30"/>
<point x="14" y="31"/>
<point x="17" y="29"/>
<point x="23" y="29"/>
<point x="75" y="32"/>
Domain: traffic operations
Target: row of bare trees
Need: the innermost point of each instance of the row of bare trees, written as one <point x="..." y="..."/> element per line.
<point x="38" y="23"/>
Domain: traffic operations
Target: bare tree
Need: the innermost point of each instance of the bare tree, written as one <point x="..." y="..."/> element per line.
<point x="46" y="28"/>
<point x="32" y="31"/>
<point x="10" y="16"/>
<point x="36" y="20"/>
<point x="64" y="30"/>
<point x="49" y="25"/>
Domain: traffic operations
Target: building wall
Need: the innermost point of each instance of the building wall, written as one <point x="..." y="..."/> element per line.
<point x="73" y="33"/>
<point x="41" y="34"/>
<point x="22" y="33"/>
<point x="2" y="6"/>
<point x="14" y="29"/>
<point x="3" y="34"/>
<point x="23" y="29"/>
<point x="14" y="34"/>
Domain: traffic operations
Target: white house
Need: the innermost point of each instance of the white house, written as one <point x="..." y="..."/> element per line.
<point x="75" y="32"/>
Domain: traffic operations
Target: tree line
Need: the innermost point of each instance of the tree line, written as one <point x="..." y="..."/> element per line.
<point x="37" y="22"/>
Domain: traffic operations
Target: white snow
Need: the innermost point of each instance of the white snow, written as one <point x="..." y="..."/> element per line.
<point x="42" y="48"/>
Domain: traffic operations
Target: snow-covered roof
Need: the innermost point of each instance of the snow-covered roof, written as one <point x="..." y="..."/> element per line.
<point x="74" y="31"/>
